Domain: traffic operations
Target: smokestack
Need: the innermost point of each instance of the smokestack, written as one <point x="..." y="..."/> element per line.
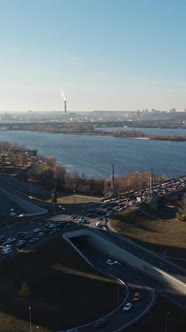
<point x="65" y="106"/>
<point x="65" y="101"/>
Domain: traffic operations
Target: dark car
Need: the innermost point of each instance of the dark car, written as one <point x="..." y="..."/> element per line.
<point x="27" y="236"/>
<point x="10" y="240"/>
<point x="73" y="216"/>
<point x="34" y="239"/>
<point x="21" y="244"/>
<point x="100" y="323"/>
<point x="21" y="234"/>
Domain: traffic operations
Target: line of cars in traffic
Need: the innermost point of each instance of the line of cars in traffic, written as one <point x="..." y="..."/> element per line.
<point x="136" y="297"/>
<point x="127" y="307"/>
<point x="24" y="239"/>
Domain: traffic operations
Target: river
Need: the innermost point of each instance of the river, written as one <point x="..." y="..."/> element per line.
<point x="94" y="155"/>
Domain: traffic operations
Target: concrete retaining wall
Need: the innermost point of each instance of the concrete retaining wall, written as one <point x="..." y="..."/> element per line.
<point x="115" y="252"/>
<point x="31" y="209"/>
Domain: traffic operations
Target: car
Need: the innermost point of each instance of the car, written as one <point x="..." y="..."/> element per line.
<point x="110" y="262"/>
<point x="99" y="224"/>
<point x="7" y="249"/>
<point x="27" y="236"/>
<point x="9" y="241"/>
<point x="46" y="230"/>
<point x="79" y="220"/>
<point x="34" y="239"/>
<point x="51" y="225"/>
<point x="119" y="263"/>
<point x="21" y="244"/>
<point x="100" y="323"/>
<point x="62" y="221"/>
<point x="36" y="230"/>
<point x="12" y="213"/>
<point x="22" y="234"/>
<point x="40" y="234"/>
<point x="136" y="296"/>
<point x="127" y="306"/>
<point x="73" y="216"/>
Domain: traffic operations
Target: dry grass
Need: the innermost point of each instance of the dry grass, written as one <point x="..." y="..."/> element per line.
<point x="155" y="233"/>
<point x="76" y="199"/>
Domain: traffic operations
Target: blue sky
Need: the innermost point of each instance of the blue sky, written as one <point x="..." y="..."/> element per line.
<point x="104" y="54"/>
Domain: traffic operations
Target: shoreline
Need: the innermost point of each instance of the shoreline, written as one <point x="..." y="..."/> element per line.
<point x="176" y="138"/>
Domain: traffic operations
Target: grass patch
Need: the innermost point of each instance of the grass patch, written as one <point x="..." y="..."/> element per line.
<point x="155" y="234"/>
<point x="77" y="199"/>
<point x="42" y="197"/>
<point x="60" y="283"/>
<point x="155" y="320"/>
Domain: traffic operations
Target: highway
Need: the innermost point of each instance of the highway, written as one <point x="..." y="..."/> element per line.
<point x="131" y="277"/>
<point x="116" y="319"/>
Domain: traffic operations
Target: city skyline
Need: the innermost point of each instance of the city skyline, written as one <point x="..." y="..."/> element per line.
<point x="119" y="55"/>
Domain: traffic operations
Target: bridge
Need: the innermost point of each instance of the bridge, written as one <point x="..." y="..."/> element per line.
<point x="170" y="189"/>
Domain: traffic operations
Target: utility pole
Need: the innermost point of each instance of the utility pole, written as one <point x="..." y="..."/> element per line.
<point x="166" y="320"/>
<point x="30" y="318"/>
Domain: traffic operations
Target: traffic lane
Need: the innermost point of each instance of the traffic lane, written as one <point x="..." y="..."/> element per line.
<point x="164" y="288"/>
<point x="37" y="236"/>
<point x="119" y="319"/>
<point x="131" y="275"/>
<point x="28" y="225"/>
<point x="140" y="277"/>
<point x="28" y="246"/>
<point x="150" y="257"/>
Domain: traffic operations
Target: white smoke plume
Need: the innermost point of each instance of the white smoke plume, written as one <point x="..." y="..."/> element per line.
<point x="63" y="95"/>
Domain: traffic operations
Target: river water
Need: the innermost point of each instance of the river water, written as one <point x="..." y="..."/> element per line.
<point x="94" y="155"/>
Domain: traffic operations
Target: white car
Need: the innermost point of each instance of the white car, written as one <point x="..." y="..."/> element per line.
<point x="36" y="230"/>
<point x="12" y="213"/>
<point x="110" y="262"/>
<point x="127" y="306"/>
<point x="98" y="224"/>
<point x="6" y="250"/>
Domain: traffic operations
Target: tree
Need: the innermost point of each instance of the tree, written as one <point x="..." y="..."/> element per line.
<point x="24" y="290"/>
<point x="181" y="215"/>
<point x="54" y="196"/>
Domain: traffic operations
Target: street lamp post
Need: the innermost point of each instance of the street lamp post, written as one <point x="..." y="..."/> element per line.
<point x="111" y="251"/>
<point x="74" y="192"/>
<point x="30" y="318"/>
<point x="166" y="320"/>
<point x="30" y="188"/>
<point x="10" y="231"/>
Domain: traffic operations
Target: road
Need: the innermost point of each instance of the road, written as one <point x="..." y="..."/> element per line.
<point x="130" y="276"/>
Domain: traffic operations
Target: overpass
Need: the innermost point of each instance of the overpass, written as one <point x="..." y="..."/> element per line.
<point x="175" y="287"/>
